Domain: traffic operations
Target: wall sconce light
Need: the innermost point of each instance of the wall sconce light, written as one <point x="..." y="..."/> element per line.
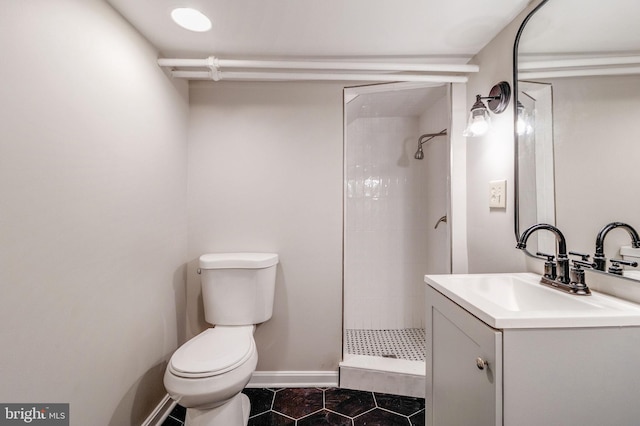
<point x="479" y="118"/>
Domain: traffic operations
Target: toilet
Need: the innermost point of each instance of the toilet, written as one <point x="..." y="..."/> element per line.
<point x="207" y="374"/>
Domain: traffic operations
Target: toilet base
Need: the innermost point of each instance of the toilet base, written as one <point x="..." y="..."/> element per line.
<point x="233" y="413"/>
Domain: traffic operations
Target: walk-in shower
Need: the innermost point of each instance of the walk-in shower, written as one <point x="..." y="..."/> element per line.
<point x="391" y="204"/>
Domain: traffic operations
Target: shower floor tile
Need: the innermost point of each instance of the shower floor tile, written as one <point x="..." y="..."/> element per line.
<point x="407" y="343"/>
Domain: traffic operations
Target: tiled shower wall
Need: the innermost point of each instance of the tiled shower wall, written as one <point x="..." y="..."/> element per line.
<point x="386" y="231"/>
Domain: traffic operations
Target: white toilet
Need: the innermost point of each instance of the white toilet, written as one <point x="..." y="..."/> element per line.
<point x="207" y="374"/>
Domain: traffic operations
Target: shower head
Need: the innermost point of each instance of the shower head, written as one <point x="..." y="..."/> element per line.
<point x="419" y="155"/>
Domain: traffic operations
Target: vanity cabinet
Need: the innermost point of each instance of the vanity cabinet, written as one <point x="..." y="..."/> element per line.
<point x="466" y="359"/>
<point x="482" y="376"/>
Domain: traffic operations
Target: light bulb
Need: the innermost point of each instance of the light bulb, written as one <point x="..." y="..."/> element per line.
<point x="191" y="19"/>
<point x="479" y="123"/>
<point x="523" y="125"/>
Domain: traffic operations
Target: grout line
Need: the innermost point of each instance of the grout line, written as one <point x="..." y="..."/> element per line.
<point x="177" y="419"/>
<point x="396" y="413"/>
<point x="306" y="415"/>
<point x="363" y="413"/>
<point x="273" y="400"/>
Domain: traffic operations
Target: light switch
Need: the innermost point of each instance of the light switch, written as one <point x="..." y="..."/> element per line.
<point x="498" y="194"/>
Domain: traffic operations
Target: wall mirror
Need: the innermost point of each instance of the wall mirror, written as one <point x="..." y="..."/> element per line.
<point x="577" y="142"/>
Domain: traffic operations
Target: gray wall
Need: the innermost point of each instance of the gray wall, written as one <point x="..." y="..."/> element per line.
<point x="265" y="174"/>
<point x="92" y="212"/>
<point x="491" y="238"/>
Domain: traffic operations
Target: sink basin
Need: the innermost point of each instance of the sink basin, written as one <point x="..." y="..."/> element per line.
<point x="516" y="294"/>
<point x="519" y="301"/>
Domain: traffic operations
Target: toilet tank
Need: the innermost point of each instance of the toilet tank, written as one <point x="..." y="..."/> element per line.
<point x="238" y="288"/>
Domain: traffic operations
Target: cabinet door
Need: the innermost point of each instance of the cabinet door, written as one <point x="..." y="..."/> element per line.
<point x="462" y="393"/>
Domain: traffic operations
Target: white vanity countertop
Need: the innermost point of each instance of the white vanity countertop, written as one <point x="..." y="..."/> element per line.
<point x="518" y="300"/>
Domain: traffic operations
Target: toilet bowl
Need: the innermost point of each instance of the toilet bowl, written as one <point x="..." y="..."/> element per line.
<point x="211" y="369"/>
<point x="207" y="374"/>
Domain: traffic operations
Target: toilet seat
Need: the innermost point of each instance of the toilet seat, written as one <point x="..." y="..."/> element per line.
<point x="213" y="352"/>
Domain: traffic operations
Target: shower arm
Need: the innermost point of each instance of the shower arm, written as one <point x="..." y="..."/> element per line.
<point x="429" y="136"/>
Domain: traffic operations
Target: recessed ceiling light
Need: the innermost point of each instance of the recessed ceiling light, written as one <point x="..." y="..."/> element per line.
<point x="191" y="19"/>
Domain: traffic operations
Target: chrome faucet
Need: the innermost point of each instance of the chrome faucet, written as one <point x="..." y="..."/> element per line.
<point x="563" y="258"/>
<point x="599" y="258"/>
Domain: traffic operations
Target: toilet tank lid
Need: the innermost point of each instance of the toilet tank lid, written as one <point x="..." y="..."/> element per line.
<point x="237" y="260"/>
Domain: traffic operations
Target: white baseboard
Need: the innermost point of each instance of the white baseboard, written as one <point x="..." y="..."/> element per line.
<point x="160" y="413"/>
<point x="294" y="379"/>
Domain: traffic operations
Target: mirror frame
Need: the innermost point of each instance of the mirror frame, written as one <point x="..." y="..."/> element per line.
<point x="516" y="154"/>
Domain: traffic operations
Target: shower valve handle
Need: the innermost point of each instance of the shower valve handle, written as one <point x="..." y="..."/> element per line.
<point x="442" y="219"/>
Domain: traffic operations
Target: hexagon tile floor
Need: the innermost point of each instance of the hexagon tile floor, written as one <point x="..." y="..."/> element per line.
<point x="325" y="406"/>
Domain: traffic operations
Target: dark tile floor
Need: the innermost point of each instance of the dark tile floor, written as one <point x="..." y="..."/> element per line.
<point x="325" y="406"/>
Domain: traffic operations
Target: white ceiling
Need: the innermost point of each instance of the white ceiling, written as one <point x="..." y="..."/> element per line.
<point x="569" y="27"/>
<point x="426" y="30"/>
